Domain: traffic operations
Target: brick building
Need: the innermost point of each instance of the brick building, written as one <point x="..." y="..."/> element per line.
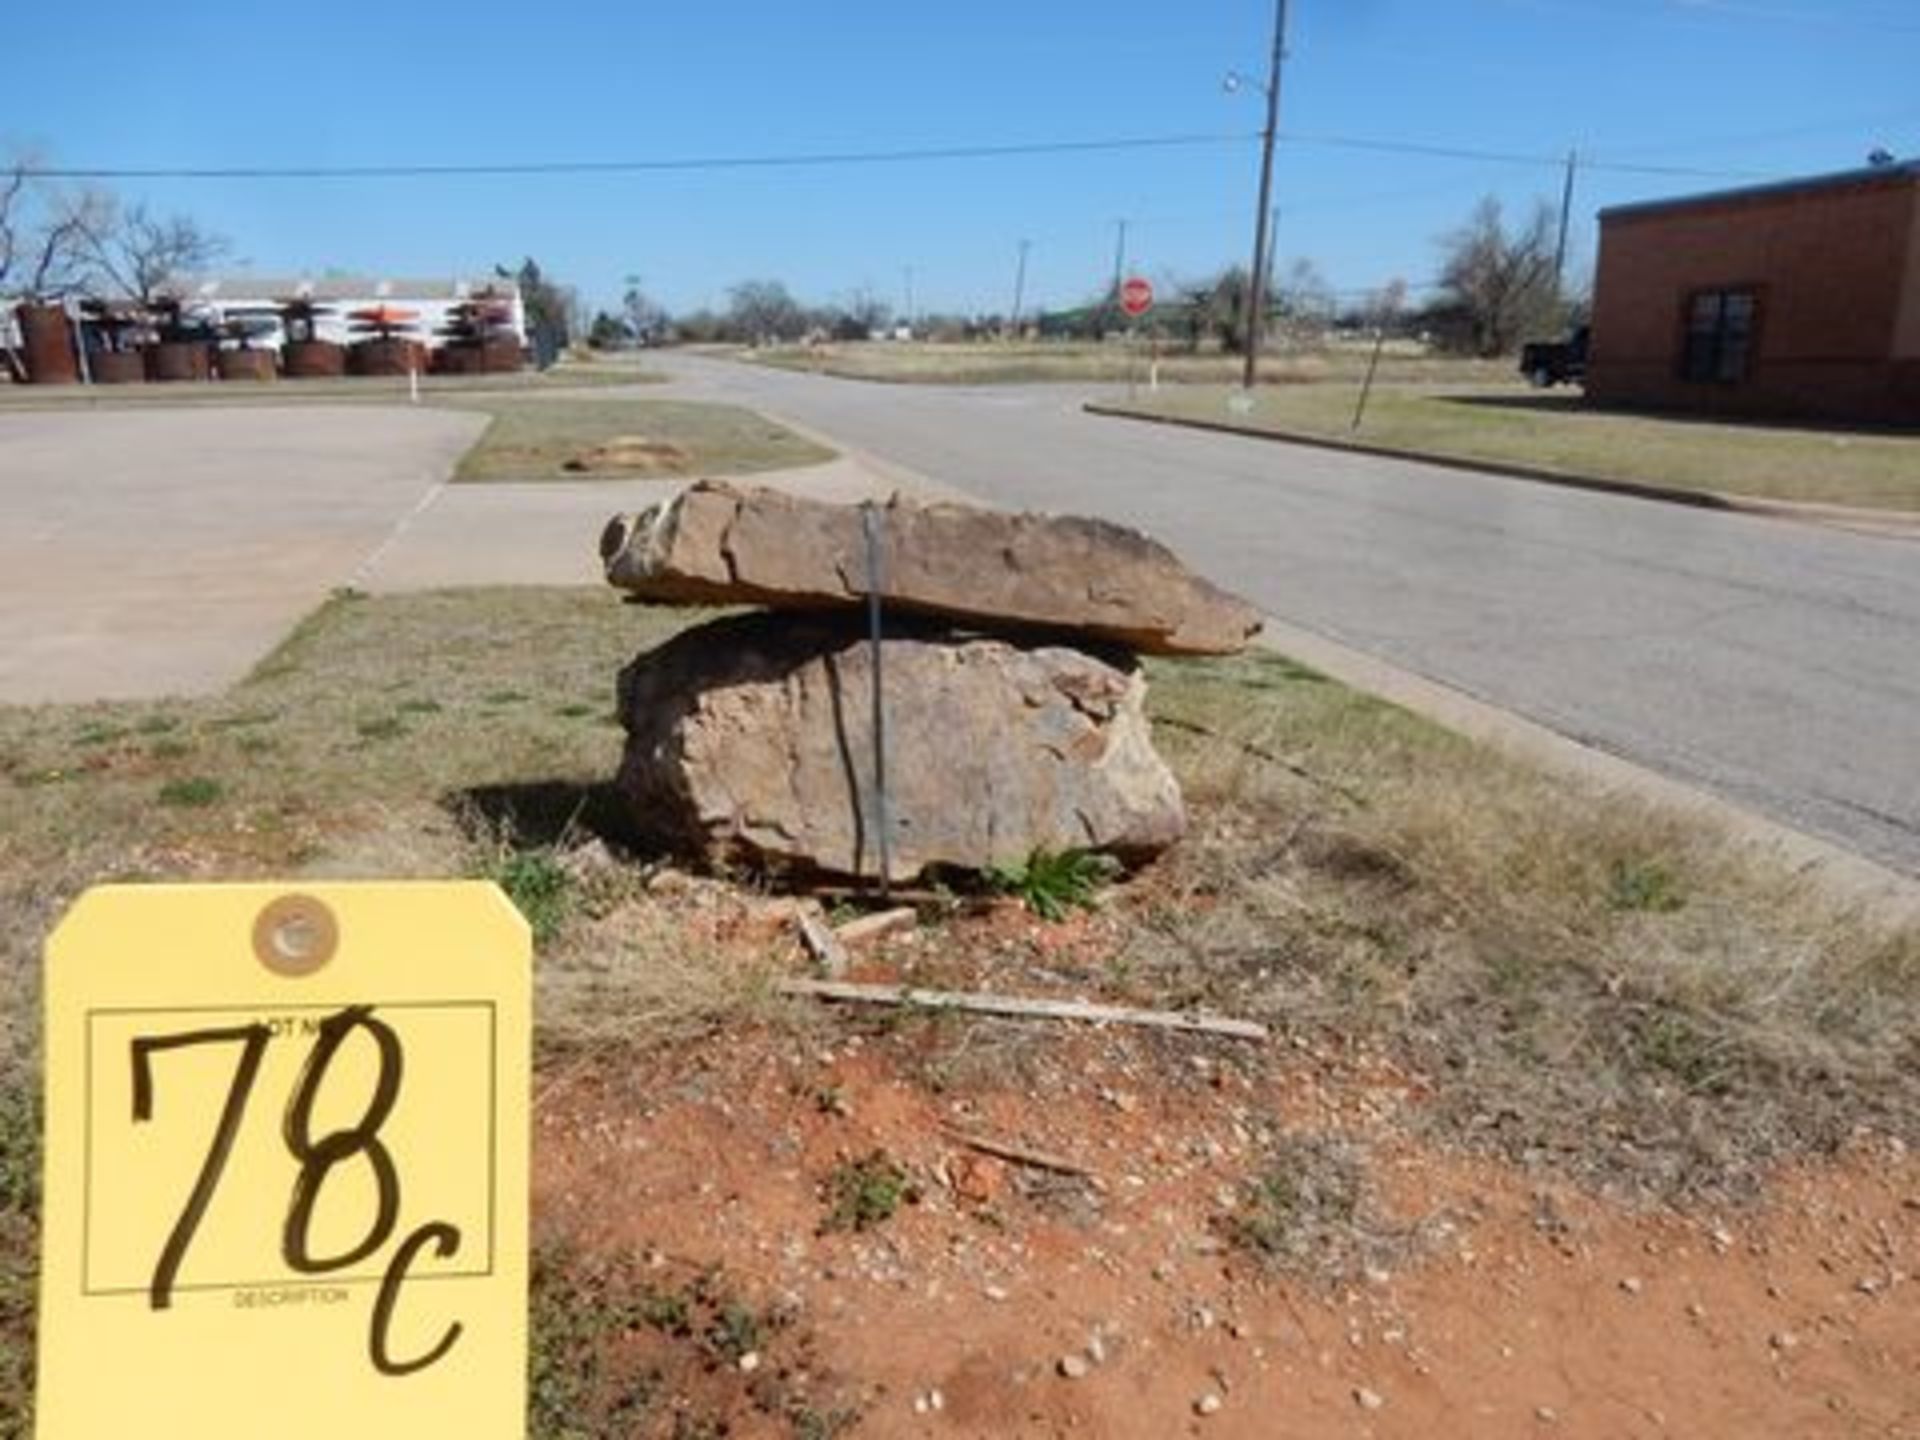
<point x="1795" y="299"/>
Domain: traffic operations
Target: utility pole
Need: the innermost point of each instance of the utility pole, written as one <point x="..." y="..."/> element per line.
<point x="908" y="271"/>
<point x="1566" y="215"/>
<point x="1257" y="276"/>
<point x="1119" y="268"/>
<point x="1273" y="252"/>
<point x="1019" y="288"/>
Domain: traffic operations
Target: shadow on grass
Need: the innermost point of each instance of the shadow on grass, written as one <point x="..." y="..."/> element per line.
<point x="1534" y="402"/>
<point x="1576" y="403"/>
<point x="543" y="813"/>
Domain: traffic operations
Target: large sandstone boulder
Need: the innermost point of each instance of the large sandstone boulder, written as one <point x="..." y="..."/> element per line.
<point x="715" y="544"/>
<point x="749" y="739"/>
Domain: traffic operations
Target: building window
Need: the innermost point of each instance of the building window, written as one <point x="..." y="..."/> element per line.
<point x="1719" y="335"/>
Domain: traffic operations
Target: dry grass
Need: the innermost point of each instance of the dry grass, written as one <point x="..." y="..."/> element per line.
<point x="1557" y="431"/>
<point x="1026" y="362"/>
<point x="534" y="438"/>
<point x="1585" y="981"/>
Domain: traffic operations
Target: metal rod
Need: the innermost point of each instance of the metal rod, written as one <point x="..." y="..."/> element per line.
<point x="1366" y="386"/>
<point x="1256" y="279"/>
<point x="1019" y="287"/>
<point x="876" y="581"/>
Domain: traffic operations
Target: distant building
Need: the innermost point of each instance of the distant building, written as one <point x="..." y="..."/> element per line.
<point x="231" y="297"/>
<point x="1795" y="299"/>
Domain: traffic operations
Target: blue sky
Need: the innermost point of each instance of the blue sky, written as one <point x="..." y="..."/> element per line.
<point x="1763" y="87"/>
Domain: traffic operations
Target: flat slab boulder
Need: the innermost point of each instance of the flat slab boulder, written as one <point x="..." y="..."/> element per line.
<point x="750" y="740"/>
<point x="717" y="544"/>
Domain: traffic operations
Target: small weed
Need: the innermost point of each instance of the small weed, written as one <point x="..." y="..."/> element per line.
<point x="169" y="749"/>
<point x="100" y="734"/>
<point x="575" y="711"/>
<point x="502" y="697"/>
<point x="1644" y="885"/>
<point x="735" y="1331"/>
<point x="158" y="724"/>
<point x="1050" y="884"/>
<point x="667" y="1311"/>
<point x="420" y="707"/>
<point x="195" y="792"/>
<point x="538" y="887"/>
<point x="255" y="744"/>
<point x="381" y="727"/>
<point x="864" y="1193"/>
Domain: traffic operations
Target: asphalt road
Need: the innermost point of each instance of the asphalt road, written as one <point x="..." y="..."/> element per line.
<point x="1774" y="663"/>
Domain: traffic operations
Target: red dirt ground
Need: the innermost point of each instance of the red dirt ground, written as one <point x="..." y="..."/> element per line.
<point x="1513" y="1305"/>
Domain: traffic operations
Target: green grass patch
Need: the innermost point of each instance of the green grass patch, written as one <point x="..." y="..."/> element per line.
<point x="193" y="792"/>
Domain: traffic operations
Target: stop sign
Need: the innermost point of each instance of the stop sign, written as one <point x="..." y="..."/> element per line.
<point x="1136" y="296"/>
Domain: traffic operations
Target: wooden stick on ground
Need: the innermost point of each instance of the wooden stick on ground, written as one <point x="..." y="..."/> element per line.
<point x="822" y="944"/>
<point x="854" y="992"/>
<point x="1006" y="1150"/>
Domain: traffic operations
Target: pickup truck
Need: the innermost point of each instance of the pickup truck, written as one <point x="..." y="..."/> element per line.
<point x="1552" y="362"/>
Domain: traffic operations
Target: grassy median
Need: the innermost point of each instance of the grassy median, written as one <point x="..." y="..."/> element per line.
<point x="1557" y="431"/>
<point x="575" y="438"/>
<point x="998" y="362"/>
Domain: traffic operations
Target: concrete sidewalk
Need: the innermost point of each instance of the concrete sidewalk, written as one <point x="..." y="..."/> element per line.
<point x="164" y="552"/>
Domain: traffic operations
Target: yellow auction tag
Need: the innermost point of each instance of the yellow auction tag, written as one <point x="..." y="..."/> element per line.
<point x="286" y="1173"/>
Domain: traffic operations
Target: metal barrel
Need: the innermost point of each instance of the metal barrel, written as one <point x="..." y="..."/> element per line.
<point x="47" y="338"/>
<point x="314" y="359"/>
<point x="245" y="364"/>
<point x="117" y="367"/>
<point x="170" y="360"/>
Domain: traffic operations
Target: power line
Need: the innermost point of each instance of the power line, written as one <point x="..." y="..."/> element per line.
<point x="632" y="166"/>
<point x="813" y="159"/>
<point x="1508" y="157"/>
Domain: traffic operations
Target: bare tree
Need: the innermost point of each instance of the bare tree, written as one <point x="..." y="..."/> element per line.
<point x="1500" y="281"/>
<point x="762" y="310"/>
<point x="139" y="253"/>
<point x="44" y="248"/>
<point x="1304" y="297"/>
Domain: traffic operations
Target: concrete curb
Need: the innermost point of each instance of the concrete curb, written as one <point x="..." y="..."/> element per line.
<point x="1890" y="524"/>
